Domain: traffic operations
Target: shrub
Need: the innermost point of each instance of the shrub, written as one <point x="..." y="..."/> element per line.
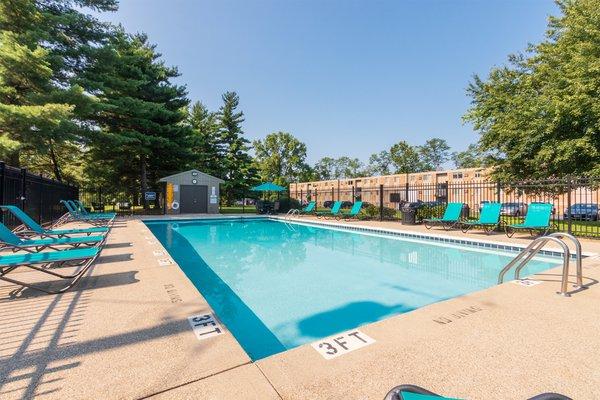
<point x="286" y="204"/>
<point x="430" y="212"/>
<point x="372" y="212"/>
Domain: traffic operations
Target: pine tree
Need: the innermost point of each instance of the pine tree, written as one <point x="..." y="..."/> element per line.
<point x="140" y="113"/>
<point x="205" y="140"/>
<point x="43" y="46"/>
<point x="238" y="171"/>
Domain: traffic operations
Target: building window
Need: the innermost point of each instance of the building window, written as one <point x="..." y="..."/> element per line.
<point x="457" y="175"/>
<point x="477" y="174"/>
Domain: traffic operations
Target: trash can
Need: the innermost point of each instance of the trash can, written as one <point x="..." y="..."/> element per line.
<point x="409" y="213"/>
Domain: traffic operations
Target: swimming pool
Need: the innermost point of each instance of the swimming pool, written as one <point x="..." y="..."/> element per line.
<point x="277" y="285"/>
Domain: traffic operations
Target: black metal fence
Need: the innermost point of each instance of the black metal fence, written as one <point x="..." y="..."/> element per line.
<point x="37" y="195"/>
<point x="100" y="199"/>
<point x="576" y="201"/>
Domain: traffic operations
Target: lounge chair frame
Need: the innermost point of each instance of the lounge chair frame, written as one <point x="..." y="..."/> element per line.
<point x="84" y="264"/>
<point x="447" y="224"/>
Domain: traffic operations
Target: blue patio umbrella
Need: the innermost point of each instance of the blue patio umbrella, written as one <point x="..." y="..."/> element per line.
<point x="268" y="187"/>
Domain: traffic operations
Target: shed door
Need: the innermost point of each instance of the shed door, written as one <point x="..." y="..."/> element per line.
<point x="194" y="199"/>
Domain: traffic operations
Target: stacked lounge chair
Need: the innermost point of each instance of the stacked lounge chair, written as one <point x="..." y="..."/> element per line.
<point x="34" y="247"/>
<point x="32" y="228"/>
<point x="75" y="213"/>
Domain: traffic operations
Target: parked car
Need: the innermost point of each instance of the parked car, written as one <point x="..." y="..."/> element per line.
<point x="347" y="204"/>
<point x="513" y="209"/>
<point x="482" y="203"/>
<point x="433" y="204"/>
<point x="328" y="203"/>
<point x="583" y="211"/>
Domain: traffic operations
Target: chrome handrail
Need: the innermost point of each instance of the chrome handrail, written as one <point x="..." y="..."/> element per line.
<point x="578" y="257"/>
<point x="536" y="246"/>
<point x="292" y="212"/>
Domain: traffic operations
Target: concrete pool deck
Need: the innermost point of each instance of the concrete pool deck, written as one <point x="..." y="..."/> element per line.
<point x="123" y="333"/>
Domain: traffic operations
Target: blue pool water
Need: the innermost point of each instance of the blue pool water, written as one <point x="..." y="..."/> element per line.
<point x="277" y="286"/>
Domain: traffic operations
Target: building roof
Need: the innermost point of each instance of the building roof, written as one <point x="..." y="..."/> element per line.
<point x="171" y="177"/>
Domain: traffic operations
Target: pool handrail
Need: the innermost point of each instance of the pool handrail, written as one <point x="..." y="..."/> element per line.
<point x="535" y="247"/>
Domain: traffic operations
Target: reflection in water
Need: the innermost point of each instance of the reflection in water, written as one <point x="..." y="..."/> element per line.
<point x="276" y="288"/>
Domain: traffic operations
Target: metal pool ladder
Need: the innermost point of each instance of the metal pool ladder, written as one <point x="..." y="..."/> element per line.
<point x="536" y="246"/>
<point x="292" y="212"/>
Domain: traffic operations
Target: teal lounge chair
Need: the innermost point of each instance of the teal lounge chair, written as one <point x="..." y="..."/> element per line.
<point x="536" y="219"/>
<point x="450" y="219"/>
<point x="413" y="392"/>
<point x="81" y="208"/>
<point x="309" y="209"/>
<point x="32" y="228"/>
<point x="335" y="210"/>
<point x="488" y="220"/>
<point x="47" y="262"/>
<point x="11" y="241"/>
<point x="73" y="214"/>
<point x="356" y="207"/>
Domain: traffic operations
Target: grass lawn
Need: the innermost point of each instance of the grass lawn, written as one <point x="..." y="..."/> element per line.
<point x="238" y="210"/>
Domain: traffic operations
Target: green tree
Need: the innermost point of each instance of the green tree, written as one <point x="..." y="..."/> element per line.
<point x="348" y="167"/>
<point x="472" y="157"/>
<point x="433" y="154"/>
<point x="405" y="158"/>
<point x="379" y="164"/>
<point x="43" y="46"/>
<point x="141" y="114"/>
<point x="539" y="115"/>
<point x="338" y="168"/>
<point x="281" y="158"/>
<point x="205" y="139"/>
<point x="238" y="170"/>
<point x="324" y="169"/>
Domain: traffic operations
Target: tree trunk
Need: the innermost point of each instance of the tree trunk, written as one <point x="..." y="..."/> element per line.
<point x="54" y="161"/>
<point x="14" y="159"/>
<point x="144" y="180"/>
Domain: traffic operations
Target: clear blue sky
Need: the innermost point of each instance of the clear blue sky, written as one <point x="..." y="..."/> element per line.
<point x="345" y="77"/>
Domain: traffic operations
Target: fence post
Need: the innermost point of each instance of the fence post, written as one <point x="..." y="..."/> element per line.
<point x="301" y="197"/>
<point x="23" y="187"/>
<point x="332" y="195"/>
<point x="2" y="184"/>
<point x="381" y="202"/>
<point x="407" y="189"/>
<point x="353" y="195"/>
<point x="164" y="198"/>
<point x="569" y="218"/>
<point x="40" y="216"/>
<point x="498" y="189"/>
<point x="316" y="200"/>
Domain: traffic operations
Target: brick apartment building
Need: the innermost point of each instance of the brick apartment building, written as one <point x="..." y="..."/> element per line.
<point x="471" y="186"/>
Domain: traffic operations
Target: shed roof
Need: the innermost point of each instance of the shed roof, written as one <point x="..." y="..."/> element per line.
<point x="171" y="177"/>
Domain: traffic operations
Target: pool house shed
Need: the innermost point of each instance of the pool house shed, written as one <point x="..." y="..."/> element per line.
<point x="192" y="191"/>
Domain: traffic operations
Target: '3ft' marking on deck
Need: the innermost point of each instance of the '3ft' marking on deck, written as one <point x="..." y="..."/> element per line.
<point x="342" y="343"/>
<point x="205" y="326"/>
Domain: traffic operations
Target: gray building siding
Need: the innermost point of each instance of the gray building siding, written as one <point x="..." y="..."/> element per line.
<point x="193" y="178"/>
